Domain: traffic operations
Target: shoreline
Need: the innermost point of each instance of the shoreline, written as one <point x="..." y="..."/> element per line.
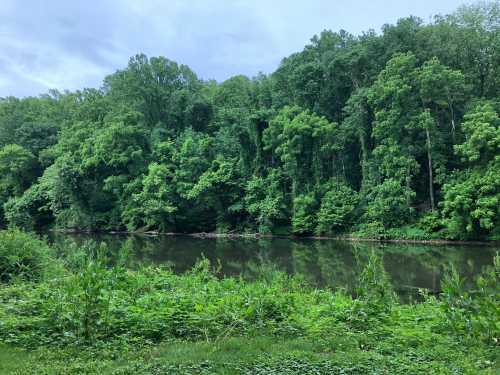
<point x="290" y="237"/>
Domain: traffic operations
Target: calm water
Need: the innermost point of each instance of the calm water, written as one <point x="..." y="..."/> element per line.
<point x="325" y="263"/>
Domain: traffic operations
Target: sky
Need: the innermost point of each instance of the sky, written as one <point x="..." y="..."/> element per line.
<point x="69" y="45"/>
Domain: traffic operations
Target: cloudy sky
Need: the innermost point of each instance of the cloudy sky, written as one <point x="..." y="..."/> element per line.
<point x="68" y="44"/>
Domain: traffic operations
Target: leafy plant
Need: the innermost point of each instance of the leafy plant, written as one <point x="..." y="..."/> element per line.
<point x="336" y="211"/>
<point x="24" y="257"/>
<point x="475" y="313"/>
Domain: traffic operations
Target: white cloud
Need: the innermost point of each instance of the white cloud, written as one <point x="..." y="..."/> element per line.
<point x="74" y="44"/>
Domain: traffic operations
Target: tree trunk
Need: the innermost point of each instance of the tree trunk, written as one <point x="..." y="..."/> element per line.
<point x="364" y="160"/>
<point x="429" y="159"/>
<point x="452" y="115"/>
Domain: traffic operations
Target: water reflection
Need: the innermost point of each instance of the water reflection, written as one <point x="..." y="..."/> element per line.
<point x="326" y="263"/>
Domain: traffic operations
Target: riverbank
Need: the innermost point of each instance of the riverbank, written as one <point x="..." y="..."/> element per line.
<point x="74" y="313"/>
<point x="270" y="236"/>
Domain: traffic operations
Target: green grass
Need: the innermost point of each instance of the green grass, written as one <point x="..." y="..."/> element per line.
<point x="235" y="349"/>
<point x="12" y="360"/>
<point x="257" y="355"/>
<point x="223" y="357"/>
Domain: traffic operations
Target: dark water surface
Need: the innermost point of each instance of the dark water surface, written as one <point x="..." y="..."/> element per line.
<point x="325" y="263"/>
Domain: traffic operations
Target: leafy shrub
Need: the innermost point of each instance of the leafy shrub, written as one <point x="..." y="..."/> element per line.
<point x="304" y="214"/>
<point x="388" y="203"/>
<point x="98" y="303"/>
<point x="431" y="222"/>
<point x="408" y="232"/>
<point x="374" y="230"/>
<point x="23" y="256"/>
<point x="30" y="210"/>
<point x="264" y="200"/>
<point x="471" y="203"/>
<point x="336" y="209"/>
<point x="376" y="296"/>
<point x="475" y="313"/>
<point x="89" y="291"/>
<point x="374" y="285"/>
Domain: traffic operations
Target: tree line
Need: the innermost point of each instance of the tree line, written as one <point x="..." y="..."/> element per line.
<point x="392" y="131"/>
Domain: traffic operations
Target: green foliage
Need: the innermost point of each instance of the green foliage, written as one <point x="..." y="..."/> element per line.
<point x="337" y="208"/>
<point x="96" y="303"/>
<point x="36" y="206"/>
<point x="372" y="229"/>
<point x="408" y="232"/>
<point x="153" y="205"/>
<point x="482" y="129"/>
<point x="90" y="290"/>
<point x="94" y="318"/>
<point x="376" y="297"/>
<point x="23" y="257"/>
<point x="29" y="211"/>
<point x="388" y="204"/>
<point x="304" y="142"/>
<point x="160" y="89"/>
<point x="405" y="121"/>
<point x="265" y="201"/>
<point x="36" y="137"/>
<point x="471" y="204"/>
<point x="474" y="313"/>
<point x="304" y="214"/>
<point x="431" y="222"/>
<point x="17" y="169"/>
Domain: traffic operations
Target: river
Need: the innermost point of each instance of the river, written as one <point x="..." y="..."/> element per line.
<point x="323" y="263"/>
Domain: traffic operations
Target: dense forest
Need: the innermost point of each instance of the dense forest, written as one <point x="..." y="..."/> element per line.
<point x="390" y="134"/>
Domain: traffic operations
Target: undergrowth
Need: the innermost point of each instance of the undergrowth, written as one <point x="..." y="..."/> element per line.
<point x="90" y="315"/>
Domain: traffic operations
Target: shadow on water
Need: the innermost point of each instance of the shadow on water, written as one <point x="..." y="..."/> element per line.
<point x="324" y="263"/>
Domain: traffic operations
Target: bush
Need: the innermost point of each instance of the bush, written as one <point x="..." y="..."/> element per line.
<point x="98" y="303"/>
<point x="388" y="203"/>
<point x="476" y="313"/>
<point x="373" y="230"/>
<point x="30" y="210"/>
<point x="23" y="256"/>
<point x="431" y="222"/>
<point x="471" y="204"/>
<point x="304" y="214"/>
<point x="408" y="232"/>
<point x="376" y="296"/>
<point x="336" y="210"/>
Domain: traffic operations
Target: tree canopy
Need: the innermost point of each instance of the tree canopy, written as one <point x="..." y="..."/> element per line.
<point x="359" y="134"/>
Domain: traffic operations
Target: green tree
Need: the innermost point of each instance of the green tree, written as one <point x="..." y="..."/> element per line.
<point x="17" y="172"/>
<point x="370" y="131"/>
<point x="471" y="204"/>
<point x="388" y="204"/>
<point x="265" y="200"/>
<point x="337" y="209"/>
<point x="153" y="207"/>
<point x="17" y="169"/>
<point x="304" y="214"/>
<point x="165" y="93"/>
<point x="307" y="146"/>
